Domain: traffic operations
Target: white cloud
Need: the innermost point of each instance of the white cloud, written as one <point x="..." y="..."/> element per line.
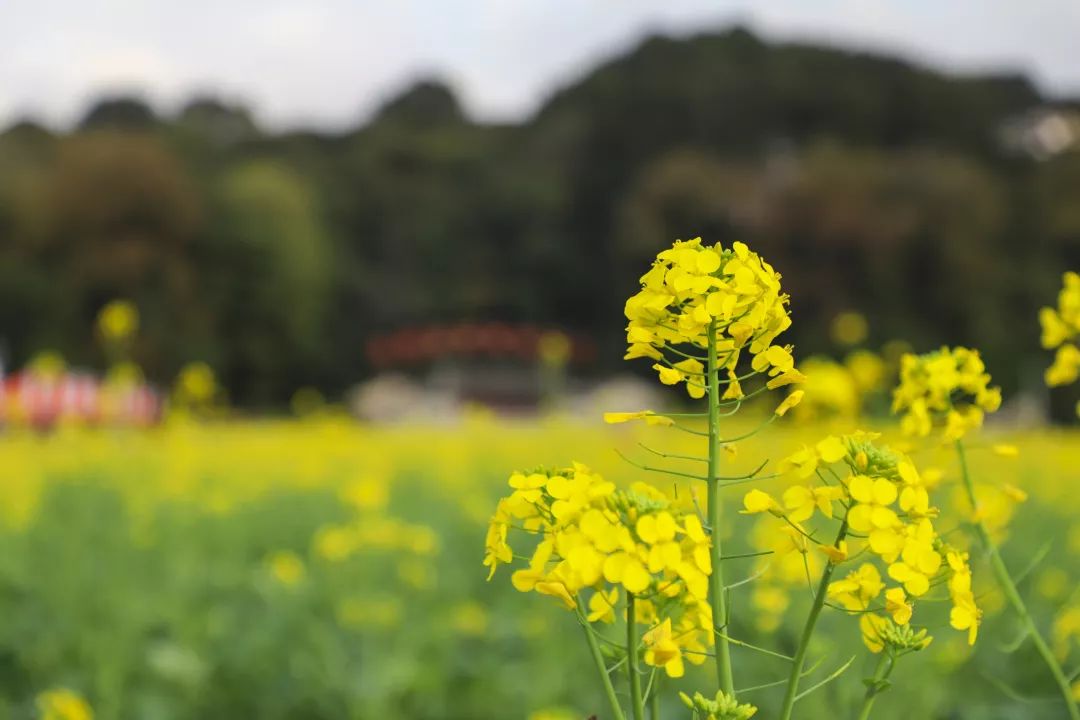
<point x="329" y="62"/>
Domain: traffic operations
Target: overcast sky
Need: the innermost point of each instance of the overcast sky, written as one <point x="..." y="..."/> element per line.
<point x="327" y="63"/>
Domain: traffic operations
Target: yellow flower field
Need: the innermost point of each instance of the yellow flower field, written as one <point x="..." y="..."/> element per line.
<point x="321" y="568"/>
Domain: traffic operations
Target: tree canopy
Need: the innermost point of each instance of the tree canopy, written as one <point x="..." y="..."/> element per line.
<point x="870" y="183"/>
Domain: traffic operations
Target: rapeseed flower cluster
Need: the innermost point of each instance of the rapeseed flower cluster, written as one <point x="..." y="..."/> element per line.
<point x="691" y="288"/>
<point x="701" y="309"/>
<point x="382" y="534"/>
<point x="831" y="391"/>
<point x="701" y="313"/>
<point x="118" y="320"/>
<point x="594" y="537"/>
<point x="63" y="704"/>
<point x="1066" y="630"/>
<point x="849" y="328"/>
<point x="841" y="391"/>
<point x="195" y="386"/>
<point x="954" y="384"/>
<point x="868" y="369"/>
<point x="1060" y="330"/>
<point x="883" y="509"/>
<point x="947" y="385"/>
<point x="286" y="567"/>
<point x="373" y="532"/>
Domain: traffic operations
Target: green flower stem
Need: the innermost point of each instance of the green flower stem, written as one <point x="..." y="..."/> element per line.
<point x="654" y="700"/>
<point x="716" y="579"/>
<point x="882" y="670"/>
<point x="601" y="667"/>
<point x="808" y="631"/>
<point x="1008" y="587"/>
<point x="636" y="703"/>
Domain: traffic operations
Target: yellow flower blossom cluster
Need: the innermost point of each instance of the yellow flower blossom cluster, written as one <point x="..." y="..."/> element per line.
<point x="118" y="320"/>
<point x="594" y="537"/>
<point x="882" y="505"/>
<point x="1066" y="630"/>
<point x="948" y="383"/>
<point x="1060" y="329"/>
<point x="63" y="704"/>
<point x="831" y="391"/>
<point x="868" y="370"/>
<point x="691" y="288"/>
<point x="286" y="568"/>
<point x="385" y="534"/>
<point x="195" y="386"/>
<point x="849" y="328"/>
<point x="554" y="714"/>
<point x="841" y="391"/>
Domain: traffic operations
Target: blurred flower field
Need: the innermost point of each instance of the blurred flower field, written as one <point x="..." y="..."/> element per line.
<point x="319" y="568"/>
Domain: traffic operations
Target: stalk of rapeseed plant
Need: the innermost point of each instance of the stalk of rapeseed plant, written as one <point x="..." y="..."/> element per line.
<point x="699" y="310"/>
<point x="885" y="515"/>
<point x="792" y="687"/>
<point x="953" y="384"/>
<point x="598" y="660"/>
<point x="876" y="684"/>
<point x="725" y="303"/>
<point x="636" y="702"/>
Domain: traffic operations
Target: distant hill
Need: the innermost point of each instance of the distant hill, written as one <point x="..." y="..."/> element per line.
<point x="734" y="92"/>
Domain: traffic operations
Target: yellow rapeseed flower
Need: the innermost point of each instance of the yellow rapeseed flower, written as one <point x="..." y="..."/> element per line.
<point x="691" y="287"/>
<point x="948" y="384"/>
<point x="118" y="320"/>
<point x="650" y="418"/>
<point x="63" y="704"/>
<point x="884" y="508"/>
<point x="965" y="615"/>
<point x="286" y="567"/>
<point x="661" y="650"/>
<point x="789" y="402"/>
<point x="849" y="328"/>
<point x="1062" y="324"/>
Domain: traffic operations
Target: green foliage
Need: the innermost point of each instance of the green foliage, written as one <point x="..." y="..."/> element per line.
<point x="268" y="277"/>
<point x="872" y="184"/>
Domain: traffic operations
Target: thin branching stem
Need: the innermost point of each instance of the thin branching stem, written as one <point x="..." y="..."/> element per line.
<point x="652" y="695"/>
<point x="680" y="353"/>
<point x="672" y="456"/>
<point x="749" y="646"/>
<point x="776" y="683"/>
<point x="636" y="702"/>
<point x="1035" y="561"/>
<point x="691" y="431"/>
<point x="755" y="431"/>
<point x="1008" y="587"/>
<point x="601" y="667"/>
<point x="749" y="579"/>
<point x="717" y="598"/>
<point x="835" y="674"/>
<point x="790" y="695"/>
<point x="748" y="555"/>
<point x="662" y="471"/>
<point x="876" y="685"/>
